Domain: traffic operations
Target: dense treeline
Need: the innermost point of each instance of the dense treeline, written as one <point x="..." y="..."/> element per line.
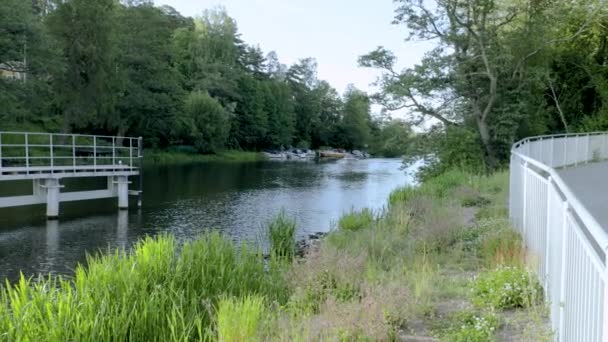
<point x="130" y="68"/>
<point x="501" y="71"/>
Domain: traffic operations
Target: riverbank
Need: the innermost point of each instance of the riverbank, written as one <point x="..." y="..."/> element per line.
<point x="434" y="265"/>
<point x="174" y="157"/>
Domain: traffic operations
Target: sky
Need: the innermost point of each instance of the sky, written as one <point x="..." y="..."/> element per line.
<point x="335" y="32"/>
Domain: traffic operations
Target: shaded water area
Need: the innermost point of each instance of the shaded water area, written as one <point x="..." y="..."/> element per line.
<point x="186" y="200"/>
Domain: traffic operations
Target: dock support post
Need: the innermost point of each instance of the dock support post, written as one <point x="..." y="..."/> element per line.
<point x="122" y="183"/>
<point x="52" y="198"/>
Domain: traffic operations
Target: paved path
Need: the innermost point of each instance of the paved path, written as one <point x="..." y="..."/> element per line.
<point x="589" y="184"/>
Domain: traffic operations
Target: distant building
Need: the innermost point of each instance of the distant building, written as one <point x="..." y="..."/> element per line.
<point x="13" y="70"/>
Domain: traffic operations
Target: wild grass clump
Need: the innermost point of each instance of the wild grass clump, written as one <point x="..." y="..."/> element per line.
<point x="157" y="292"/>
<point x="281" y="232"/>
<point x="326" y="273"/>
<point x="356" y="220"/>
<point x="505" y="288"/>
<point x="469" y="326"/>
<point x="240" y="319"/>
<point x="436" y="187"/>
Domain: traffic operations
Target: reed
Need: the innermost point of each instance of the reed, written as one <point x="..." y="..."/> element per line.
<point x="281" y="233"/>
<point x="159" y="292"/>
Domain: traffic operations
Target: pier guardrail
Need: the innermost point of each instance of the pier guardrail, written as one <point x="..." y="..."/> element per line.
<point x="565" y="242"/>
<point x="38" y="154"/>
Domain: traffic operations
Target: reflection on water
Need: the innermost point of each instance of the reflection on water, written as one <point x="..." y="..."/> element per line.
<point x="186" y="200"/>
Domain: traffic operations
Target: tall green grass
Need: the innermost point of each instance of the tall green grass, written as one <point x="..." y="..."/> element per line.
<point x="159" y="292"/>
<point x="281" y="234"/>
<point x="241" y="319"/>
<point x="356" y="220"/>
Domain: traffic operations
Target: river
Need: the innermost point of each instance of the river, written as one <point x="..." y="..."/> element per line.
<point x="186" y="200"/>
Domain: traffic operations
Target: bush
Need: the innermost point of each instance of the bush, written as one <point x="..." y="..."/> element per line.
<point x="505" y="288"/>
<point x="205" y="123"/>
<point x="282" y="237"/>
<point x="472" y="327"/>
<point x="240" y="319"/>
<point x="356" y="220"/>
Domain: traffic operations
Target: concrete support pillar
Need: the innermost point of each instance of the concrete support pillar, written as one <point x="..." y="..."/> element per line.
<point x="122" y="187"/>
<point x="52" y="198"/>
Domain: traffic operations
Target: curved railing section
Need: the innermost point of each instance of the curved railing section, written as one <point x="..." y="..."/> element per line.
<point x="564" y="241"/>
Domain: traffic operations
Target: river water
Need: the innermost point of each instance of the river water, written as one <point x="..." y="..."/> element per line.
<point x="186" y="200"/>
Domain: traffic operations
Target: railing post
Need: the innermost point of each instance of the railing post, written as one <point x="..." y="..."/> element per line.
<point x="552" y="151"/>
<point x="547" y="235"/>
<point x="113" y="152"/>
<point x="27" y="156"/>
<point x="562" y="286"/>
<point x="94" y="153"/>
<point x="587" y="149"/>
<point x="604" y="151"/>
<point x="605" y="306"/>
<point x="74" y="152"/>
<point x="0" y="153"/>
<point x="51" y="151"/>
<point x="130" y="153"/>
<point x="576" y="151"/>
<point x="524" y="204"/>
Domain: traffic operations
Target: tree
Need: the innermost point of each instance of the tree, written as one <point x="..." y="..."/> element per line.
<point x="326" y="131"/>
<point x="204" y="123"/>
<point x="251" y="119"/>
<point x="392" y="139"/>
<point x="150" y="91"/>
<point x="86" y="88"/>
<point x="28" y="52"/>
<point x="281" y="115"/>
<point x="356" y="119"/>
<point x="487" y="72"/>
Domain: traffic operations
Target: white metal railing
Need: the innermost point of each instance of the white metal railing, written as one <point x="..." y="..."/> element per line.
<point x="567" y="243"/>
<point x="32" y="153"/>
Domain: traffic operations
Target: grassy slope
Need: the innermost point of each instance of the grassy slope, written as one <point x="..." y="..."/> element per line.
<point x="409" y="274"/>
<point x="165" y="157"/>
<point x="402" y="274"/>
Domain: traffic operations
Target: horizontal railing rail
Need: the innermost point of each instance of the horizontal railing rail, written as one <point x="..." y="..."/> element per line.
<point x="567" y="243"/>
<point x="34" y="153"/>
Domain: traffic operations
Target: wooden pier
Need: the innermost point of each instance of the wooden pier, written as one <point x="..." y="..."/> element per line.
<point x="46" y="159"/>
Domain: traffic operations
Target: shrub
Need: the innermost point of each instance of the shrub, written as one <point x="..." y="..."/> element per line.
<point x="472" y="327"/>
<point x="505" y="288"/>
<point x="281" y="233"/>
<point x="240" y="319"/>
<point x="356" y="220"/>
<point x="401" y="195"/>
<point x="502" y="246"/>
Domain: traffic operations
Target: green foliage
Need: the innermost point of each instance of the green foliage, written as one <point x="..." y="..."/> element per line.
<point x="281" y="233"/>
<point x="240" y="319"/>
<point x="445" y="150"/>
<point x="204" y="123"/>
<point x="391" y="139"/>
<point x="86" y="89"/>
<point x="473" y="327"/>
<point x="506" y="287"/>
<point x="158" y="292"/>
<point x="356" y="220"/>
<point x="150" y="91"/>
<point x="356" y="122"/>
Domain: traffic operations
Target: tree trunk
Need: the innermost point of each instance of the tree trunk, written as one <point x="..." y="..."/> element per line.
<point x="484" y="133"/>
